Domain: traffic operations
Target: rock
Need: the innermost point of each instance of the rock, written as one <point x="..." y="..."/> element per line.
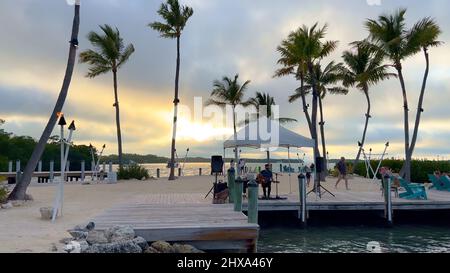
<point x="151" y="250"/>
<point x="88" y="227"/>
<point x="84" y="246"/>
<point x="46" y="213"/>
<point x="8" y="205"/>
<point x="163" y="247"/>
<point x="120" y="247"/>
<point x="66" y="241"/>
<point x="120" y="234"/>
<point x="141" y="242"/>
<point x="73" y="247"/>
<point x="178" y="248"/>
<point x="96" y="237"/>
<point x="78" y="234"/>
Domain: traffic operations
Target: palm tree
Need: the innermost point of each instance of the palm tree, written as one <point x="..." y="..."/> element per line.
<point x="265" y="100"/>
<point x="19" y="192"/>
<point x="389" y="35"/>
<point x="176" y="18"/>
<point x="229" y="92"/>
<point x="364" y="68"/>
<point x="109" y="55"/>
<point x="293" y="63"/>
<point x="326" y="81"/>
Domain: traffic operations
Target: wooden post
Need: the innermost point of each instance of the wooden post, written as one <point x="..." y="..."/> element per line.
<point x="18" y="171"/>
<point x="231" y="184"/>
<point x="52" y="170"/>
<point x="303" y="195"/>
<point x="200" y="172"/>
<point x="83" y="169"/>
<point x="179" y="172"/>
<point x="238" y="189"/>
<point x="388" y="200"/>
<point x="253" y="192"/>
<point x="40" y="166"/>
<point x="92" y="166"/>
<point x="104" y="167"/>
<point x="110" y="167"/>
<point x="10" y="166"/>
<point x="158" y="173"/>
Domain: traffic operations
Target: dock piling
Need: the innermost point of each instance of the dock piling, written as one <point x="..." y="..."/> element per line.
<point x="388" y="200"/>
<point x="179" y="172"/>
<point x="231" y="184"/>
<point x="200" y="172"/>
<point x="303" y="195"/>
<point x="238" y="189"/>
<point x="52" y="169"/>
<point x="158" y="173"/>
<point x="10" y="166"/>
<point x="18" y="171"/>
<point x="40" y="166"/>
<point x="83" y="169"/>
<point x="253" y="192"/>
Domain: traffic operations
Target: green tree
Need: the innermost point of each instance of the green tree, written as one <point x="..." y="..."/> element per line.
<point x="229" y="92"/>
<point x="109" y="55"/>
<point x="267" y="101"/>
<point x="364" y="68"/>
<point x="19" y="191"/>
<point x="390" y="35"/>
<point x="308" y="44"/>
<point x="175" y="19"/>
<point x="326" y="81"/>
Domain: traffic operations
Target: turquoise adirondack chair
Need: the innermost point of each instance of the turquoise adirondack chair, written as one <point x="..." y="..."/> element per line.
<point x="413" y="190"/>
<point x="440" y="184"/>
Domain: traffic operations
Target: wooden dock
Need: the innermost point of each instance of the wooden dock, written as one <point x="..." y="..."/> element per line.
<point x="184" y="218"/>
<point x="352" y="200"/>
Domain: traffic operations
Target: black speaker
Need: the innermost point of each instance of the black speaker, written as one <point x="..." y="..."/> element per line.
<point x="216" y="164"/>
<point x="320" y="164"/>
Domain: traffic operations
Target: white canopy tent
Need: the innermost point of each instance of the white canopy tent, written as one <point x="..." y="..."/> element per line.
<point x="250" y="137"/>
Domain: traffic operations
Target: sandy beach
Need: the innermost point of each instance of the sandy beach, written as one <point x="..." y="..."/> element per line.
<point x="24" y="231"/>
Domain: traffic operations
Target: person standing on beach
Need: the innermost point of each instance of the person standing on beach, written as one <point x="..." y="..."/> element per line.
<point x="241" y="166"/>
<point x="342" y="168"/>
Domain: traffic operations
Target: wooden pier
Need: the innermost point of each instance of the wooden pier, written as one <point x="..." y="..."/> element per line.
<point x="184" y="218"/>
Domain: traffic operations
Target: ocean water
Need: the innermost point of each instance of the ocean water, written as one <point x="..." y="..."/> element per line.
<point x="354" y="239"/>
<point x="192" y="169"/>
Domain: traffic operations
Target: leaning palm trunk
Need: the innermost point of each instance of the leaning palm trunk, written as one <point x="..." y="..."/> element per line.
<point x="175" y="115"/>
<point x="305" y="106"/>
<point x="363" y="140"/>
<point x="406" y="124"/>
<point x="19" y="191"/>
<point x="119" y="132"/>
<point x="236" y="155"/>
<point x="419" y="108"/>
<point x="322" y="138"/>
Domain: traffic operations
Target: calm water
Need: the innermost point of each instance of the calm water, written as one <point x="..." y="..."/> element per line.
<point x="192" y="169"/>
<point x="400" y="239"/>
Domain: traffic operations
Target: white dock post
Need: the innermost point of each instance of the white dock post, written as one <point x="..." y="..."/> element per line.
<point x="10" y="166"/>
<point x="40" y="166"/>
<point x="388" y="200"/>
<point x="17" y="166"/>
<point x="112" y="176"/>
<point x="52" y="169"/>
<point x="83" y="168"/>
<point x="18" y="171"/>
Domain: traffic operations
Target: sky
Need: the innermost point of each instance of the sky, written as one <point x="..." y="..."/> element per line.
<point x="223" y="38"/>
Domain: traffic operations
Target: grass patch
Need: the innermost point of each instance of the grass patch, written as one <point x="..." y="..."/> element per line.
<point x="133" y="171"/>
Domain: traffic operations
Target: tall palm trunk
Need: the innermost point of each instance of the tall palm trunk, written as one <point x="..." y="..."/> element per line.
<point x="363" y="140"/>
<point x="19" y="191"/>
<point x="322" y="129"/>
<point x="119" y="131"/>
<point x="305" y="106"/>
<point x="235" y="139"/>
<point x="314" y="119"/>
<point x="406" y="123"/>
<point x="175" y="114"/>
<point x="420" y="104"/>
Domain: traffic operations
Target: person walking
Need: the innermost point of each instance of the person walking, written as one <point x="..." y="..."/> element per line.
<point x="342" y="168"/>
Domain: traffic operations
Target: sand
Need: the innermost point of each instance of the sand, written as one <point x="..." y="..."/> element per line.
<point x="22" y="230"/>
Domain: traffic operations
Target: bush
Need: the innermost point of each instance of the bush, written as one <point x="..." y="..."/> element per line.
<point x="419" y="168"/>
<point x="3" y="194"/>
<point x="133" y="171"/>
